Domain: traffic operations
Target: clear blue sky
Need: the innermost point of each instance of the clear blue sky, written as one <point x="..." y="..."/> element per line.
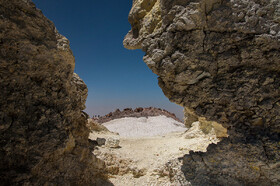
<point x="116" y="77"/>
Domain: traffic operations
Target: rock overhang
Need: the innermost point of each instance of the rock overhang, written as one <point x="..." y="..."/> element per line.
<point x="203" y="50"/>
<point x="220" y="60"/>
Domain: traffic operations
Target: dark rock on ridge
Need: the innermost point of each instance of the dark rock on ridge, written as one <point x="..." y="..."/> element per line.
<point x="219" y="59"/>
<point x="44" y="138"/>
<point x="138" y="112"/>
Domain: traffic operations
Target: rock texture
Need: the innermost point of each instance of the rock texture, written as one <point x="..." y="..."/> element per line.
<point x="44" y="138"/>
<point x="220" y="60"/>
<point x="138" y="112"/>
<point x="94" y="126"/>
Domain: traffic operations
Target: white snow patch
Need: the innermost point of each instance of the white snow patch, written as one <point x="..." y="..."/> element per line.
<point x="140" y="127"/>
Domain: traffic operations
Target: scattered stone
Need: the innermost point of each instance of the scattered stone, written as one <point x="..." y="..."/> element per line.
<point x="113" y="142"/>
<point x="137" y="173"/>
<point x="101" y="141"/>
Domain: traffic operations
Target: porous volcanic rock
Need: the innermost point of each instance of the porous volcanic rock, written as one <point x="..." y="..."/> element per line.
<point x="138" y="112"/>
<point x="219" y="59"/>
<point x="44" y="138"/>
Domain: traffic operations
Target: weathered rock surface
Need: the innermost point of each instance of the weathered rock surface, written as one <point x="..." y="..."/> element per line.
<point x="220" y="60"/>
<point x="94" y="126"/>
<point x="138" y="112"/>
<point x="44" y="138"/>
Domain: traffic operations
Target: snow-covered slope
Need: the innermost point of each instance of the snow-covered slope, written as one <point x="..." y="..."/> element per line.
<point x="140" y="127"/>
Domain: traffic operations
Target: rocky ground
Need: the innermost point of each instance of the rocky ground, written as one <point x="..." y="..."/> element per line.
<point x="148" y="158"/>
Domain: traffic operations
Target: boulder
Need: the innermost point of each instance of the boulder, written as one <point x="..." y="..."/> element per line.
<point x="220" y="60"/>
<point x="44" y="138"/>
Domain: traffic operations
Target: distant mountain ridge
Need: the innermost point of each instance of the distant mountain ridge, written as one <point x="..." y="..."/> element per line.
<point x="138" y="112"/>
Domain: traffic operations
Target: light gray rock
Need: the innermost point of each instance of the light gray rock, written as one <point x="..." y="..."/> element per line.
<point x="113" y="142"/>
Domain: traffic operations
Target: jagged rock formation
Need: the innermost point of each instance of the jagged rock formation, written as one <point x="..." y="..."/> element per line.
<point x="44" y="139"/>
<point x="220" y="60"/>
<point x="138" y="112"/>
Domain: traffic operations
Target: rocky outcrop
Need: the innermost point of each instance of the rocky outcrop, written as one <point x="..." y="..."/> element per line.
<point x="94" y="126"/>
<point x="44" y="138"/>
<point x="138" y="112"/>
<point x="219" y="60"/>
